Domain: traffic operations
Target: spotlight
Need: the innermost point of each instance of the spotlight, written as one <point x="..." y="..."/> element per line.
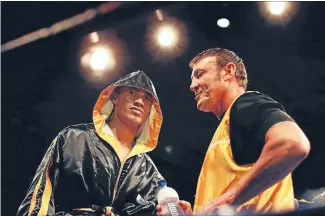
<point x="99" y="59"/>
<point x="102" y="56"/>
<point x="223" y="23"/>
<point x="277" y="8"/>
<point x="167" y="36"/>
<point x="98" y="65"/>
<point x="169" y="149"/>
<point x="99" y="62"/>
<point x="278" y="12"/>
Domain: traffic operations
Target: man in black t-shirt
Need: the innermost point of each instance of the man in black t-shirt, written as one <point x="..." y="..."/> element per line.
<point x="252" y="115"/>
<point x="255" y="147"/>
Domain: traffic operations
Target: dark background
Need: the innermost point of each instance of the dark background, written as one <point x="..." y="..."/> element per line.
<point x="43" y="91"/>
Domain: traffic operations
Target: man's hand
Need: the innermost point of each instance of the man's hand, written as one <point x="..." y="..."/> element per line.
<point x="212" y="206"/>
<point x="186" y="206"/>
<point x="160" y="211"/>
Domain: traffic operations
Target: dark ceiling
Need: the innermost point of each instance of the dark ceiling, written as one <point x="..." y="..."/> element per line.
<point x="43" y="92"/>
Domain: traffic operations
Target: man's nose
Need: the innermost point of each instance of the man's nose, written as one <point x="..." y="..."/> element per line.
<point x="139" y="101"/>
<point x="194" y="85"/>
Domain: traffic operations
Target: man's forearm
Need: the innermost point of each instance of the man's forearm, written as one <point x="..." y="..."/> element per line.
<point x="276" y="161"/>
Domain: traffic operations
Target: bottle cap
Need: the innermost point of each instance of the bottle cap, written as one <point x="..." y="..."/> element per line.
<point x="162" y="183"/>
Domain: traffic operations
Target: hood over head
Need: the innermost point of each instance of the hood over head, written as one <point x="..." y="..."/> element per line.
<point x="148" y="133"/>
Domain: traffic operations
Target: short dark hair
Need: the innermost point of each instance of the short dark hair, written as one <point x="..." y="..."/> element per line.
<point x="223" y="57"/>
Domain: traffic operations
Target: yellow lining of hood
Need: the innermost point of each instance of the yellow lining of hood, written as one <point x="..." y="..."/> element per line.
<point x="148" y="139"/>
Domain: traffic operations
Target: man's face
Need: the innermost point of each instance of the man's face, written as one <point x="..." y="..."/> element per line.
<point x="132" y="106"/>
<point x="207" y="85"/>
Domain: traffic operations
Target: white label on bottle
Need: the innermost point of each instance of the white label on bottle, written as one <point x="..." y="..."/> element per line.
<point x="172" y="208"/>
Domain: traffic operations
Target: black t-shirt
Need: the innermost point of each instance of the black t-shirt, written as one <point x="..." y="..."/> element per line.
<point x="251" y="116"/>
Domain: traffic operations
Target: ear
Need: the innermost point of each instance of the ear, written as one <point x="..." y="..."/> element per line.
<point x="229" y="71"/>
<point x="114" y="97"/>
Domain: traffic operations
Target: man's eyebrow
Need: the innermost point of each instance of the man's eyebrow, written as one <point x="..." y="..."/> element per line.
<point x="195" y="71"/>
<point x="145" y="92"/>
<point x="133" y="88"/>
<point x="130" y="88"/>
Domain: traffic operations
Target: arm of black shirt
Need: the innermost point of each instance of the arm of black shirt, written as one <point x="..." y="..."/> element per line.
<point x="283" y="147"/>
<point x="252" y="115"/>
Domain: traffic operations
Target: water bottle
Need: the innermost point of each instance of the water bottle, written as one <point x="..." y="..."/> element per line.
<point x="167" y="198"/>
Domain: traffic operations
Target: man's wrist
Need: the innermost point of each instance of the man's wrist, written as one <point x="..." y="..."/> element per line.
<point x="238" y="191"/>
<point x="231" y="199"/>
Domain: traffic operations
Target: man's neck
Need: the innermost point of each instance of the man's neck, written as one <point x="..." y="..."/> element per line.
<point x="123" y="134"/>
<point x="228" y="99"/>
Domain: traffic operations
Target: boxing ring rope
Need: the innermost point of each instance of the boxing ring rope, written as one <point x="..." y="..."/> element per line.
<point x="60" y="26"/>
